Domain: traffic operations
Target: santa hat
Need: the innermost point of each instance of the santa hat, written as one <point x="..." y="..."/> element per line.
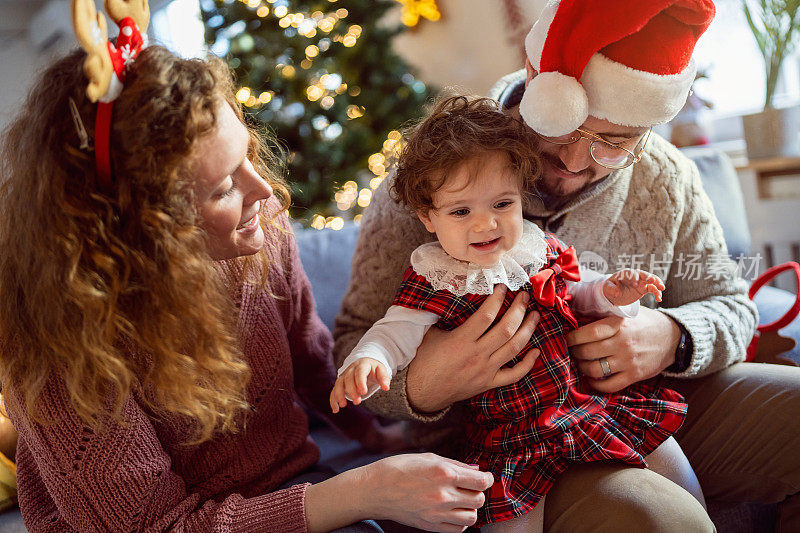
<point x="626" y="61"/>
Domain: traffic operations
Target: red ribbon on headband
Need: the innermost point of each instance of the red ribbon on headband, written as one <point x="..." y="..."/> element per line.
<point x="129" y="44"/>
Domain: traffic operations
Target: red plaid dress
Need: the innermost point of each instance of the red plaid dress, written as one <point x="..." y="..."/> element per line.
<point x="528" y="433"/>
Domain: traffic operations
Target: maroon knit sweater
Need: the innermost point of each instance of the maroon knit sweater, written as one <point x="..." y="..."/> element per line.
<point x="139" y="476"/>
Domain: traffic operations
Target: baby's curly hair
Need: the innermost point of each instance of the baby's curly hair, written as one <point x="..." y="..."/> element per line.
<point x="460" y="129"/>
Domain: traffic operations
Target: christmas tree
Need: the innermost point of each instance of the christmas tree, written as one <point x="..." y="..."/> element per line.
<point x="322" y="75"/>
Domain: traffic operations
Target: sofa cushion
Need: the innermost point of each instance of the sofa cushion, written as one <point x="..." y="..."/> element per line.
<point x="11" y="522"/>
<point x="326" y="256"/>
<point x="721" y="183"/>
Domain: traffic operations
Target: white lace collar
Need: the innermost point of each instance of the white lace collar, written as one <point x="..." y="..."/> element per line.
<point x="513" y="270"/>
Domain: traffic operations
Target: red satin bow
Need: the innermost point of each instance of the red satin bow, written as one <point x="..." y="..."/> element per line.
<point x="544" y="282"/>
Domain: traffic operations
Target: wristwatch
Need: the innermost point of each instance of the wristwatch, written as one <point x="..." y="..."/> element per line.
<point x="683" y="353"/>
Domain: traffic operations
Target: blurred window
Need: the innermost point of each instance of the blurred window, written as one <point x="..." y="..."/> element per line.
<point x="179" y="27"/>
<point x="728" y="53"/>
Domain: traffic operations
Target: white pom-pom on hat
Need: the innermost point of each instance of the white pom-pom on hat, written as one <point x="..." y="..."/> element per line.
<point x="554" y="104"/>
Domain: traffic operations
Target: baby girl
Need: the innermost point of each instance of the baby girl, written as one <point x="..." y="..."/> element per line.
<point x="464" y="171"/>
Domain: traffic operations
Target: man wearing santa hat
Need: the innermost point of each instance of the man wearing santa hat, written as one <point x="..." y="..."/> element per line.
<point x="600" y="74"/>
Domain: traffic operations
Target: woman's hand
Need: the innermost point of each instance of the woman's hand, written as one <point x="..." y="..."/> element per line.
<point x="459" y="364"/>
<point x="635" y="348"/>
<point x="425" y="491"/>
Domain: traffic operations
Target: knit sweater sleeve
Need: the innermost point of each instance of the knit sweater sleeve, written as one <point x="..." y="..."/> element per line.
<point x="72" y="477"/>
<point x="704" y="291"/>
<point x="388" y="236"/>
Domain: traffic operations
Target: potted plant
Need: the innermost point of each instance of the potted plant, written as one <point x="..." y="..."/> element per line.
<point x="776" y="26"/>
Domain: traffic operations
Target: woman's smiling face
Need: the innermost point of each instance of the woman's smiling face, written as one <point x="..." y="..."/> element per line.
<point x="229" y="193"/>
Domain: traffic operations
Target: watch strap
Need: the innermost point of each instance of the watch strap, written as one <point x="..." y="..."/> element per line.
<point x="683" y="353"/>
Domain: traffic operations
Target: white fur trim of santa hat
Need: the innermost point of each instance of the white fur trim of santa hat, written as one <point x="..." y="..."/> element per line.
<point x="631" y="97"/>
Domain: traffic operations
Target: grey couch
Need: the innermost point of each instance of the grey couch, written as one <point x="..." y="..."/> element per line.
<point x="326" y="257"/>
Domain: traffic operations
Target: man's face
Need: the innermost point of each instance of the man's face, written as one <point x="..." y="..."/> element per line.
<point x="569" y="168"/>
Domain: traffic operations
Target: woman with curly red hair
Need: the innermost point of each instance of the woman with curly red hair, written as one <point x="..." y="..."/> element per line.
<point x="157" y="328"/>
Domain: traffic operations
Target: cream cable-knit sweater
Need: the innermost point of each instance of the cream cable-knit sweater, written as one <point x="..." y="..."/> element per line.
<point x="657" y="206"/>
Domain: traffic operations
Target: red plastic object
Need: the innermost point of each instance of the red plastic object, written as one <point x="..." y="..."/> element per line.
<point x="790" y="315"/>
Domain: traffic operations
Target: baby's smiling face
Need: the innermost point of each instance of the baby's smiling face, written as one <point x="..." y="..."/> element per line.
<point x="478" y="211"/>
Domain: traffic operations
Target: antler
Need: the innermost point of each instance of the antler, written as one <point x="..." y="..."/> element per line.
<point x="138" y="10"/>
<point x="92" y="32"/>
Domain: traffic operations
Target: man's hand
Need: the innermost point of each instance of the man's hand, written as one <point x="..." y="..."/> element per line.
<point x="635" y="348"/>
<point x="459" y="364"/>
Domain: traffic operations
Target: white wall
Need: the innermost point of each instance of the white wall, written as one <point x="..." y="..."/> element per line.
<point x="472" y="46"/>
<point x="18" y="63"/>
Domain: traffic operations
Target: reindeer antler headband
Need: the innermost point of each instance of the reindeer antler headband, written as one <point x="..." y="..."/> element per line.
<point x="106" y="64"/>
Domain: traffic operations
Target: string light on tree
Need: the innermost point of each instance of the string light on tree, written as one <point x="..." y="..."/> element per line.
<point x="349" y="196"/>
<point x="243" y="94"/>
<point x="414" y="10"/>
<point x="321" y="222"/>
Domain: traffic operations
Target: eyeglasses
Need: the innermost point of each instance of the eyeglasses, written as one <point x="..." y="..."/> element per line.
<point x="605" y="153"/>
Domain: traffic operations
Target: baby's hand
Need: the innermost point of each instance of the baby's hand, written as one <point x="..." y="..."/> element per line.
<point x="356" y="380"/>
<point x="627" y="286"/>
